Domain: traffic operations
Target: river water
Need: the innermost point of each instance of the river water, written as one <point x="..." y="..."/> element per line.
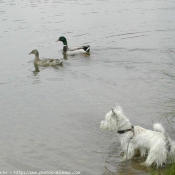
<point x="50" y="117"/>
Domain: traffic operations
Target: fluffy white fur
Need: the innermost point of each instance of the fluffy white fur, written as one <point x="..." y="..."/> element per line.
<point x="156" y="145"/>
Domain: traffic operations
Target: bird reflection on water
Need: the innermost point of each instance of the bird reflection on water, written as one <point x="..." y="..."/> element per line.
<point x="36" y="71"/>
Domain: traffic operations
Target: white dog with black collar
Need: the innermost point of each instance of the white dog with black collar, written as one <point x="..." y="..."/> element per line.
<point x="156" y="145"/>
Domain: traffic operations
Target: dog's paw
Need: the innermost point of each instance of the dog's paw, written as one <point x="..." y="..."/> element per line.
<point x="144" y="164"/>
<point x="123" y="158"/>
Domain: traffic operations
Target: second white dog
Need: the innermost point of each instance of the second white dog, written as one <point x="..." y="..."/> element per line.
<point x="156" y="145"/>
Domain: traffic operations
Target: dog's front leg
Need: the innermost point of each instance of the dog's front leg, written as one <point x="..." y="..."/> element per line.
<point x="129" y="151"/>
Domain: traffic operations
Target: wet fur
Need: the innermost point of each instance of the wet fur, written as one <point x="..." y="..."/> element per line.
<point x="155" y="145"/>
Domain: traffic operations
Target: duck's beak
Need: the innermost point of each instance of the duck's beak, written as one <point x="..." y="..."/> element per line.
<point x="57" y="40"/>
<point x="30" y="53"/>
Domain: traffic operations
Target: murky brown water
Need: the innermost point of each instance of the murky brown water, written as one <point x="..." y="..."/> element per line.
<point x="50" y="120"/>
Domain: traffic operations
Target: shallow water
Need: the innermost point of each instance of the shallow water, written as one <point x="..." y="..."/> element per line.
<point x="50" y="117"/>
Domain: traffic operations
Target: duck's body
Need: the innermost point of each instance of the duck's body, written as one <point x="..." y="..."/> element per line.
<point x="45" y="62"/>
<point x="73" y="51"/>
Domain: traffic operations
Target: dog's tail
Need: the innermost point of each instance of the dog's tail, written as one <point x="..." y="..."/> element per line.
<point x="159" y="128"/>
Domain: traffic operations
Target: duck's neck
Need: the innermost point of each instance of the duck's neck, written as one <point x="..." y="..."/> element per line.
<point x="65" y="46"/>
<point x="36" y="58"/>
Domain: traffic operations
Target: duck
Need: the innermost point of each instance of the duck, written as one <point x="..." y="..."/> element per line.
<point x="45" y="62"/>
<point x="73" y="51"/>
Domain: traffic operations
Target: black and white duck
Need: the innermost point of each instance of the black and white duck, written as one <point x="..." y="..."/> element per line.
<point x="73" y="51"/>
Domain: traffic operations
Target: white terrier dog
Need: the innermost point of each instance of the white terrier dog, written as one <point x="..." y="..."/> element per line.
<point x="157" y="145"/>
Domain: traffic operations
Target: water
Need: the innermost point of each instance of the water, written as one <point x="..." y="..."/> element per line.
<point x="50" y="117"/>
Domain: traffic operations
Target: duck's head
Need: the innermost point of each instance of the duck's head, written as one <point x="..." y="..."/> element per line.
<point x="63" y="39"/>
<point x="35" y="52"/>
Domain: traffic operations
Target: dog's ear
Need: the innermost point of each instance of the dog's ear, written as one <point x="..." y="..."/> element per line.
<point x="112" y="111"/>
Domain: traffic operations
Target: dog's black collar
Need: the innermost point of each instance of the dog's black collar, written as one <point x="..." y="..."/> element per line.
<point x="126" y="130"/>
